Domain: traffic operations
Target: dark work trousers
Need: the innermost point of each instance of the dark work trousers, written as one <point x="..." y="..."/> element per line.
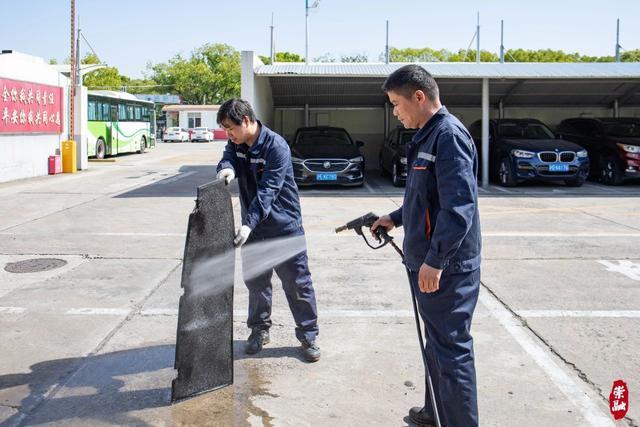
<point x="296" y="282"/>
<point x="447" y="315"/>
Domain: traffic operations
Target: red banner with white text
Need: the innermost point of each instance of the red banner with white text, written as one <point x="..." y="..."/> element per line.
<point x="27" y="107"/>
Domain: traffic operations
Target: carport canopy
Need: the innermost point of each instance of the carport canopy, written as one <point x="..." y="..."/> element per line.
<point x="604" y="85"/>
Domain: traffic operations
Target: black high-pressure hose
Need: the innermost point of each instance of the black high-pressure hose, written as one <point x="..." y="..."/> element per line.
<point x="383" y="238"/>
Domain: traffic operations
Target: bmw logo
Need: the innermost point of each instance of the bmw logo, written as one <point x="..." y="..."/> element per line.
<point x="327" y="165"/>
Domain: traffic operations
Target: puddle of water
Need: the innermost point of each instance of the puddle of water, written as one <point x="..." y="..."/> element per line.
<point x="231" y="405"/>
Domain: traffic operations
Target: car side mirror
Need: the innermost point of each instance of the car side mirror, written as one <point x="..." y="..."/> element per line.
<point x="360" y="143"/>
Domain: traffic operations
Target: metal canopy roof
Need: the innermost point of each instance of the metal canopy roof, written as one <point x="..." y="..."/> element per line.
<point x="517" y="84"/>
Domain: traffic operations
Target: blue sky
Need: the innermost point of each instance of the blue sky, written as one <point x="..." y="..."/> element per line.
<point x="130" y="33"/>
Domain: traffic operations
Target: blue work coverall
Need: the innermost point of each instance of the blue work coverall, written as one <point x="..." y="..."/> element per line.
<point x="270" y="206"/>
<point x="442" y="229"/>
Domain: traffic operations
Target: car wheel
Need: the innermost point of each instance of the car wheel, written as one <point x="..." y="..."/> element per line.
<point x="382" y="171"/>
<point x="394" y="176"/>
<point x="611" y="172"/>
<point x="100" y="149"/>
<point x="143" y="145"/>
<point x="574" y="182"/>
<point x="505" y="173"/>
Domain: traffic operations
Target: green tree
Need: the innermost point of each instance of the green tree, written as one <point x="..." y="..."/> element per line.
<point x="103" y="78"/>
<point x="283" y="57"/>
<point x="324" y="58"/>
<point x="210" y="75"/>
<point x="630" y="56"/>
<point x="359" y="57"/>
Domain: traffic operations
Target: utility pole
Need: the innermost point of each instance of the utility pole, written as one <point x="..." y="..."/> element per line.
<point x="306" y="28"/>
<point x="618" y="41"/>
<point x="386" y="48"/>
<point x="501" y="41"/>
<point x="273" y="46"/>
<point x="478" y="40"/>
<point x="72" y="74"/>
<point x="78" y="81"/>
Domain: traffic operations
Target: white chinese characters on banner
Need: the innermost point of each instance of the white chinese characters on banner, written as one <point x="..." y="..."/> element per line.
<point x="27" y="107"/>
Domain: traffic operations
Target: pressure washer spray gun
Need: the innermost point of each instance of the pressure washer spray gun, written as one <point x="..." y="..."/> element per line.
<point x="383" y="238"/>
<point x="380" y="233"/>
<point x="367" y="221"/>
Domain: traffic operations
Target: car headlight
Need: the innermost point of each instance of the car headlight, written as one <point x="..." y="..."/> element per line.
<point x="582" y="154"/>
<point x="297" y="160"/>
<point x="630" y="148"/>
<point x="403" y="160"/>
<point x="522" y="154"/>
<point x="358" y="159"/>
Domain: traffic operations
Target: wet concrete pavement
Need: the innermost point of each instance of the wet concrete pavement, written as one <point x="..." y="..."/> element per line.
<point x="92" y="342"/>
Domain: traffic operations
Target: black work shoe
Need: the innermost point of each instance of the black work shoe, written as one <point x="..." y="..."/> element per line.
<point x="311" y="351"/>
<point x="422" y="418"/>
<point x="256" y="340"/>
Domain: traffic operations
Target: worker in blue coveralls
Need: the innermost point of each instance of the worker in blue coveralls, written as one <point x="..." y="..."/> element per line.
<point x="441" y="241"/>
<point x="270" y="208"/>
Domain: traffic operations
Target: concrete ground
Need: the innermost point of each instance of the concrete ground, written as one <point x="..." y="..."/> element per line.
<point x="92" y="342"/>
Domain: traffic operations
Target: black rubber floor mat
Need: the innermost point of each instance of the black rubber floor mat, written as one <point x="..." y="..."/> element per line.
<point x="204" y="343"/>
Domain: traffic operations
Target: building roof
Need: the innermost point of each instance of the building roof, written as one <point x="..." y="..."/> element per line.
<point x="515" y="84"/>
<point x="491" y="70"/>
<point x="184" y="107"/>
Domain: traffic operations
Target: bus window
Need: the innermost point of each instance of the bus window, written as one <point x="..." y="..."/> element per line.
<point x="122" y="112"/>
<point x="138" y="114"/>
<point x="129" y="112"/>
<point x="105" y="112"/>
<point x="92" y="111"/>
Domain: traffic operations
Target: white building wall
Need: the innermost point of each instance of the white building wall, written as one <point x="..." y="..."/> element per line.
<point x="26" y="155"/>
<point x="256" y="89"/>
<point x="207" y="118"/>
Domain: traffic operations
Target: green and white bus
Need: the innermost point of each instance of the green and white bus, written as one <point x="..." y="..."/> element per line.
<point x="118" y="123"/>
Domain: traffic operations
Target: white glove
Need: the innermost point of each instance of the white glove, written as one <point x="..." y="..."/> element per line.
<point x="228" y="174"/>
<point x="241" y="236"/>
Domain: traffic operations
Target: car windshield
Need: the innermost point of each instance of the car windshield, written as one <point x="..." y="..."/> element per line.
<point x="173" y="129"/>
<point x="201" y="129"/>
<point x="323" y="137"/>
<point x="524" y="131"/>
<point x="406" y="137"/>
<point x="622" y="130"/>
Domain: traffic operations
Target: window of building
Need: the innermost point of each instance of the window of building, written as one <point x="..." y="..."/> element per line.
<point x="194" y="120"/>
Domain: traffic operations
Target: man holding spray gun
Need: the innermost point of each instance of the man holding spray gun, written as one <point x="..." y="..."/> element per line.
<point x="442" y="241"/>
<point x="270" y="206"/>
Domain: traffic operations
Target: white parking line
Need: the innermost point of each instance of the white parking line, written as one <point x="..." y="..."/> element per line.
<point x="590" y="411"/>
<point x="12" y="310"/>
<point x="554" y="234"/>
<point x="99" y="311"/>
<point x="504" y="190"/>
<point x="368" y="187"/>
<point x="628" y="268"/>
<point x="580" y="313"/>
<point x="140" y="234"/>
<point x="176" y="177"/>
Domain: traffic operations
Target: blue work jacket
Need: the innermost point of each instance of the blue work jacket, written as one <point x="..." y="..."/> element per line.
<point x="440" y="208"/>
<point x="269" y="200"/>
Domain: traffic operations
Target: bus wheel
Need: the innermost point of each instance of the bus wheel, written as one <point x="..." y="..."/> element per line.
<point x="100" y="149"/>
<point x="143" y="145"/>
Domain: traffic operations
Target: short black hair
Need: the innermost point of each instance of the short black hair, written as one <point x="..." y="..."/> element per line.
<point x="410" y="78"/>
<point x="234" y="110"/>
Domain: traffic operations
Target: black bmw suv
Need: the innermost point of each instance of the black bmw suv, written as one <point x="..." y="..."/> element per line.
<point x="613" y="145"/>
<point x="326" y="155"/>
